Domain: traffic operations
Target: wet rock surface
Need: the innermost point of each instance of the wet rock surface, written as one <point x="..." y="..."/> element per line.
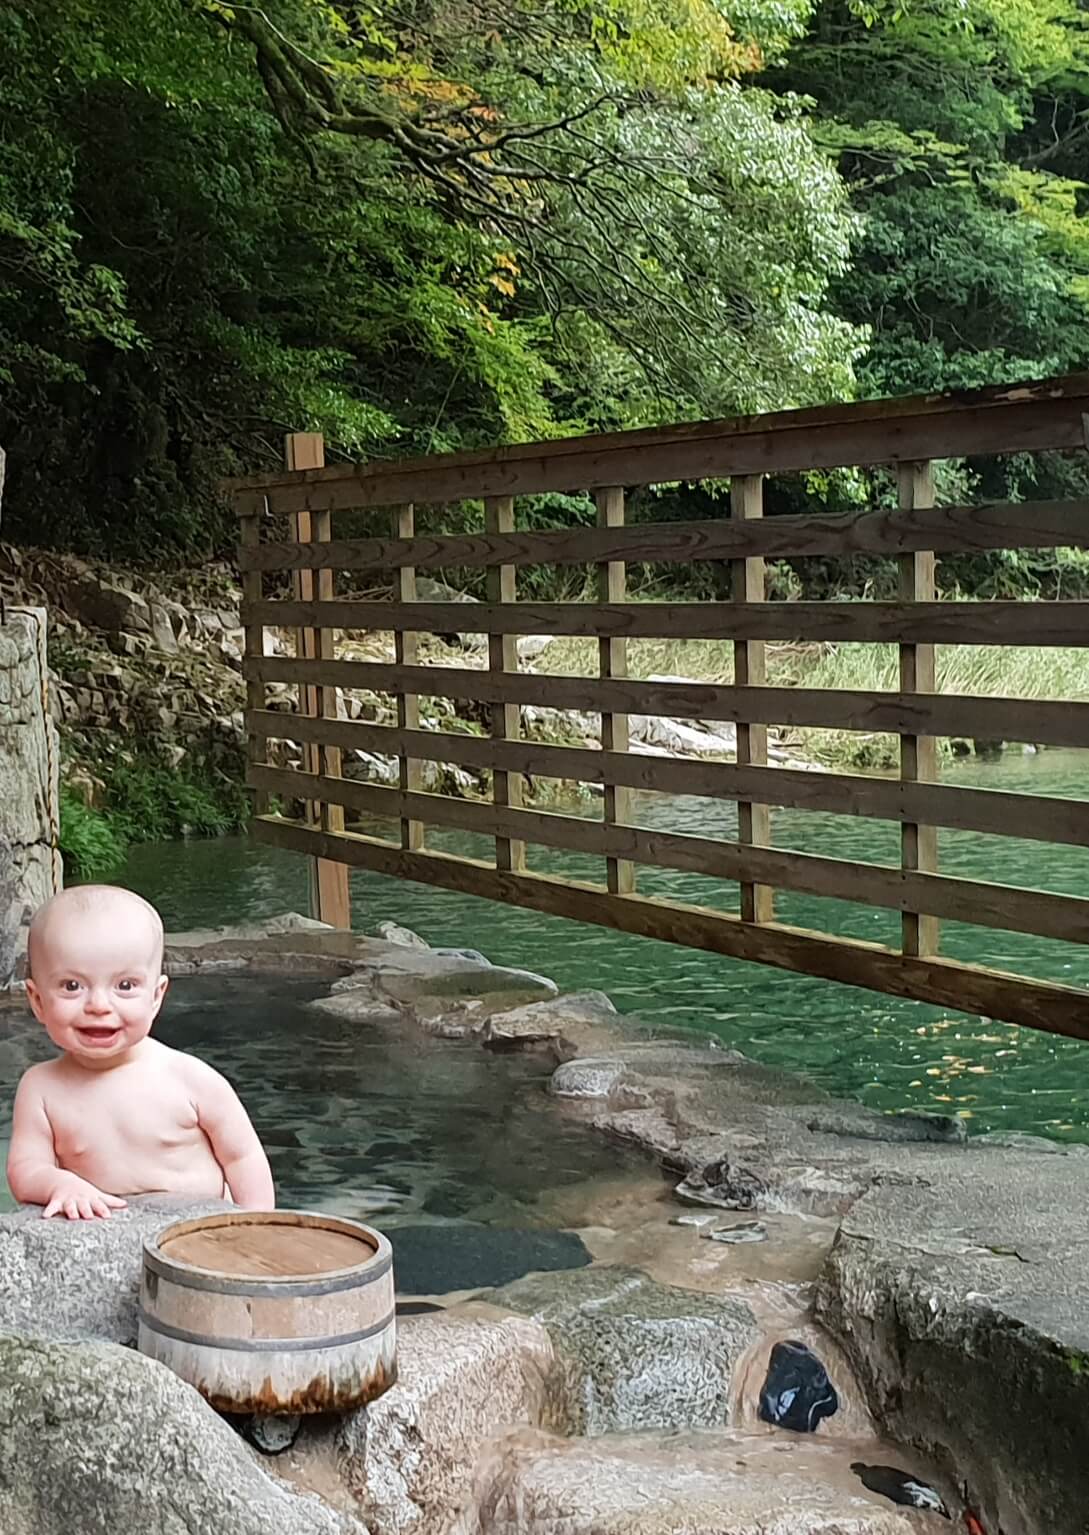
<point x="410" y="1459"/>
<point x="637" y="1354"/>
<point x="964" y="1308"/>
<point x="686" y="1484"/>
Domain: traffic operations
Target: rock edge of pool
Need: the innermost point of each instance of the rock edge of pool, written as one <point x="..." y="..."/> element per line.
<point x="945" y="1286"/>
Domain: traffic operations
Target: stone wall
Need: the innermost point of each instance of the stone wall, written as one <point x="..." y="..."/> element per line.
<point x="29" y="863"/>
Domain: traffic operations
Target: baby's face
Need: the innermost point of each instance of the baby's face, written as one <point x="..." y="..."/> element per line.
<point x="97" y="986"/>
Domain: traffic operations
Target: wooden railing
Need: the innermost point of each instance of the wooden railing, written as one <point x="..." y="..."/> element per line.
<point x="908" y="434"/>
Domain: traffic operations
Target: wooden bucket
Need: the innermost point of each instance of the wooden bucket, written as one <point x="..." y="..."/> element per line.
<point x="272" y="1311"/>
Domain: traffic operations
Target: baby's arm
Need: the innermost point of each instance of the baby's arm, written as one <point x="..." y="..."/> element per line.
<point x="233" y="1139"/>
<point x="33" y="1175"/>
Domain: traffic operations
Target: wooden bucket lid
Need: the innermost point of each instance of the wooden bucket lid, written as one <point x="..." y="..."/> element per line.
<point x="250" y="1250"/>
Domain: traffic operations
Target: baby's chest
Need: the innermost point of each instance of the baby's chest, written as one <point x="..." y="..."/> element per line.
<point x="106" y="1119"/>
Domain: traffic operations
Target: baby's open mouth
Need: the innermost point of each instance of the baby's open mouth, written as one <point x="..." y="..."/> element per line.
<point x="98" y="1035"/>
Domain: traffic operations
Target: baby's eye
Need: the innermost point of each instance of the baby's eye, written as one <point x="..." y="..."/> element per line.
<point x="126" y="985"/>
<point x="70" y="986"/>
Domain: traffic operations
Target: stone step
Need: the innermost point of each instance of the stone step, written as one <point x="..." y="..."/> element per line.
<point x="718" y="1482"/>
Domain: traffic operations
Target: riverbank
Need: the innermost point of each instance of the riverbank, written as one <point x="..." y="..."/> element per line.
<point x="937" y="1281"/>
<point x="147" y="694"/>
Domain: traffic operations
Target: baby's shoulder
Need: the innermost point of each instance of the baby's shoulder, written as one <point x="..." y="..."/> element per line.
<point x="39" y="1078"/>
<point x="189" y="1069"/>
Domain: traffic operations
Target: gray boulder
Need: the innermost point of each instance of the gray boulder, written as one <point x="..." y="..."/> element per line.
<point x="637" y="1354"/>
<point x="563" y="1024"/>
<point x="80" y="1279"/>
<point x="412" y="1457"/>
<point x="963" y="1307"/>
<point x="96" y="1439"/>
<point x="589" y="1077"/>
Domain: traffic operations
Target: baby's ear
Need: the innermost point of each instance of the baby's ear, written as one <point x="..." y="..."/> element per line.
<point x="34" y="997"/>
<point x="160" y="990"/>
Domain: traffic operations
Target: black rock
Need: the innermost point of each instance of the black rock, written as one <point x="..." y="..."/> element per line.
<point x="899" y="1487"/>
<point x="435" y="1260"/>
<point x="797" y="1393"/>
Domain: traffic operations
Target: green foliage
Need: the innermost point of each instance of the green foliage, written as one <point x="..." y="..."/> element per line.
<point x="146" y="802"/>
<point x="420" y="228"/>
<point x="413" y="228"/>
<point x="90" y="845"/>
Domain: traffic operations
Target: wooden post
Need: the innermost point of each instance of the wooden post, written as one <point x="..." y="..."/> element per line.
<point x="613" y="662"/>
<point x="753" y="821"/>
<point x="918" y="754"/>
<point x="249" y="535"/>
<point x="330" y="899"/>
<point x="406" y="648"/>
<point x="503" y="657"/>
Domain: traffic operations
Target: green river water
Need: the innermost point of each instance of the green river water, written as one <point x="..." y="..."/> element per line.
<point x="888" y="1053"/>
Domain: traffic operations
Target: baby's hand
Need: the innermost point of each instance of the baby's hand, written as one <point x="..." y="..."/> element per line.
<point x="78" y="1200"/>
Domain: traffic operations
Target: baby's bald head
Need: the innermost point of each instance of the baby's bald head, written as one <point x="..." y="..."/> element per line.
<point x="73" y="916"/>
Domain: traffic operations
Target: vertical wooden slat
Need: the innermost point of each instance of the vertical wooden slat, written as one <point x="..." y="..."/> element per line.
<point x="330" y="900"/>
<point x="406" y="653"/>
<point x="249" y="535"/>
<point x="503" y="657"/>
<point x="753" y="821"/>
<point x="918" y="754"/>
<point x="613" y="662"/>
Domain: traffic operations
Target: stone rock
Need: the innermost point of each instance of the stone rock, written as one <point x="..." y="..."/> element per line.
<point x="737" y="1236"/>
<point x="428" y="590"/>
<point x="723" y="1483"/>
<point x="637" y="1354"/>
<point x="915" y="1125"/>
<point x="557" y="1023"/>
<point x="393" y="932"/>
<point x="103" y="603"/>
<point x="444" y="1259"/>
<point x="29" y="868"/>
<point x="411" y="1456"/>
<point x="448" y="977"/>
<point x="270" y="927"/>
<point x="162" y="629"/>
<point x="589" y="1077"/>
<point x="358" y="1004"/>
<point x="80" y="1279"/>
<point x="530" y="646"/>
<point x="963" y="1309"/>
<point x="96" y="1439"/>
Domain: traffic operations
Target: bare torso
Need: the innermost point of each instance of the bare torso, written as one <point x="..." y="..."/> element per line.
<point x="134" y="1129"/>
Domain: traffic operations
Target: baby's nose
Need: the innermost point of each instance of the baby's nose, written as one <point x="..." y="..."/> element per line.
<point x="97" y="1001"/>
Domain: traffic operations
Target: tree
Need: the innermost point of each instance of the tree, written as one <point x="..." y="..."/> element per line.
<point x="412" y="227"/>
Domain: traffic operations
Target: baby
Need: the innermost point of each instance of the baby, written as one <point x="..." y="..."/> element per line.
<point x="118" y="1113"/>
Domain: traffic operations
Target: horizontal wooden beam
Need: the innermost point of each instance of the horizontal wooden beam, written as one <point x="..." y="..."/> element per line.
<point x="939" y="623"/>
<point x="1043" y="721"/>
<point x="944" y="982"/>
<point x="1007" y="419"/>
<point x="995" y="811"/>
<point x="944" y="529"/>
<point x="1008" y="907"/>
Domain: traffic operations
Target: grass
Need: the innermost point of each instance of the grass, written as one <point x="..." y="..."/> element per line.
<point x="994" y="670"/>
<point x="145" y="802"/>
